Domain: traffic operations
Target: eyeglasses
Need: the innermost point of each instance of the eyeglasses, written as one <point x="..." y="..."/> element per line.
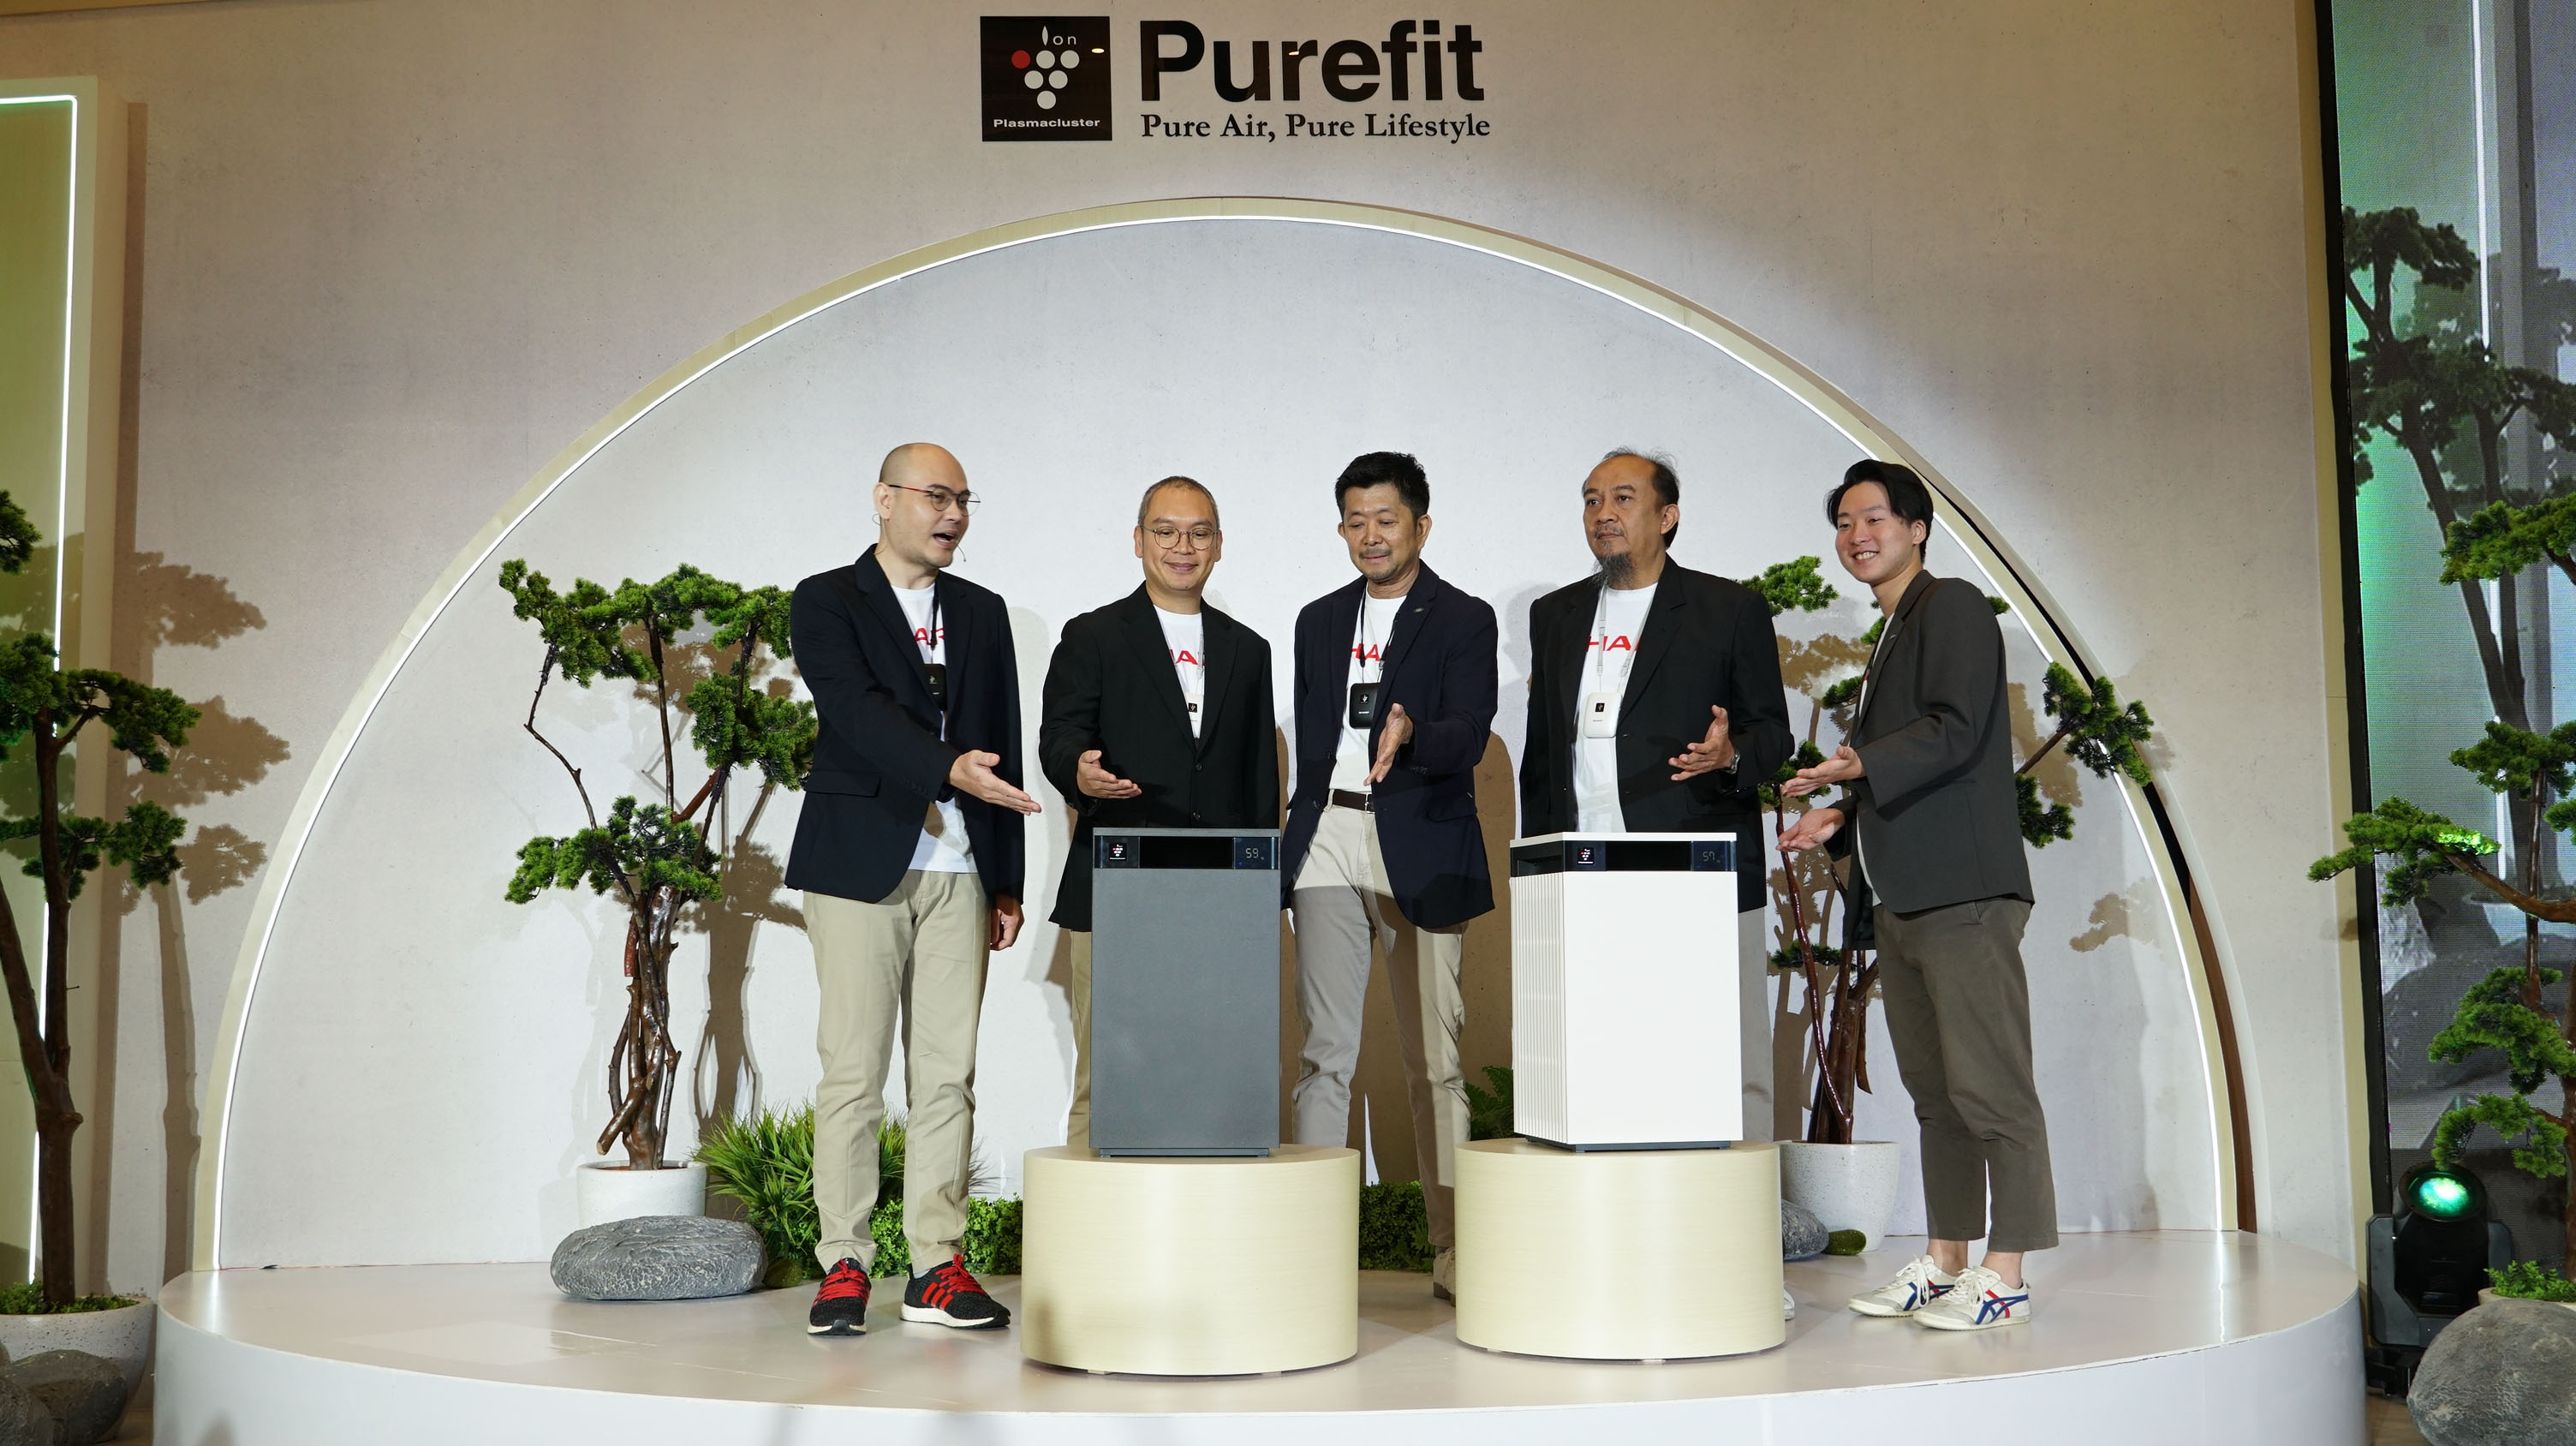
<point x="1167" y="537"/>
<point x="940" y="497"/>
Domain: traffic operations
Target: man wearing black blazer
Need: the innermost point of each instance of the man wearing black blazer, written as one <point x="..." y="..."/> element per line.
<point x="1156" y="714"/>
<point x="1931" y="816"/>
<point x="1394" y="698"/>
<point x="910" y="854"/>
<point x="1655" y="707"/>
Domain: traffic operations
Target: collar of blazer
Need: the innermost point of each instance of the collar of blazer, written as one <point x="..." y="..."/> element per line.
<point x="878" y="592"/>
<point x="1418" y="603"/>
<point x="1671" y="596"/>
<point x="1145" y="635"/>
<point x="1915" y="592"/>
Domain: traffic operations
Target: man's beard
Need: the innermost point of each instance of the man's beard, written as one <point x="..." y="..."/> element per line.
<point x="1617" y="569"/>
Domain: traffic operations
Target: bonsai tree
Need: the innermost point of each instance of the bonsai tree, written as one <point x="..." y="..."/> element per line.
<point x="2508" y="1010"/>
<point x="2425" y="380"/>
<point x="654" y="855"/>
<point x="2094" y="727"/>
<point x="44" y="709"/>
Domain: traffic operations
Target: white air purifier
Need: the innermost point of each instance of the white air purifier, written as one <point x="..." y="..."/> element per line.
<point x="1624" y="991"/>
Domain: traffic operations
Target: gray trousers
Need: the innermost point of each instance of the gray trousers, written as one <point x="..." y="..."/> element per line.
<point x="1342" y="908"/>
<point x="1958" y="1014"/>
<point x="917" y="959"/>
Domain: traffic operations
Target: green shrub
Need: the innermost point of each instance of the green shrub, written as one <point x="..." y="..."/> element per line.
<point x="29" y="1299"/>
<point x="1489" y="1112"/>
<point x="1395" y="1232"/>
<point x="767" y="1163"/>
<point x="993" y="1236"/>
<point x="2528" y="1280"/>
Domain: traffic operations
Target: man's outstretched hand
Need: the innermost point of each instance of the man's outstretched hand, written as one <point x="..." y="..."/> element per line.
<point x="1397" y="733"/>
<point x="1711" y="753"/>
<point x="1813" y="827"/>
<point x="1099" y="782"/>
<point x="1843" y="767"/>
<point x="973" y="774"/>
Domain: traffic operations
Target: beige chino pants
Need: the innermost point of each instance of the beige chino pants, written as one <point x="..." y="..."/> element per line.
<point x="916" y="959"/>
<point x="1342" y="907"/>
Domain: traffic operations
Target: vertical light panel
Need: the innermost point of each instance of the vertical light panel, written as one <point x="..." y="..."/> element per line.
<point x="62" y="248"/>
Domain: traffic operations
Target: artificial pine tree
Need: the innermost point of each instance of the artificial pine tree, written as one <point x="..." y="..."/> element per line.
<point x="45" y="708"/>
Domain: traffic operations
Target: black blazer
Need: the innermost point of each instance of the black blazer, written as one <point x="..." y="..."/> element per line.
<point x="1111" y="686"/>
<point x="879" y="761"/>
<point x="1936" y="810"/>
<point x="1707" y="643"/>
<point x="1439" y="663"/>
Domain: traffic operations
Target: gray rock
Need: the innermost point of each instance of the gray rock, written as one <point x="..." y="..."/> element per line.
<point x="658" y="1257"/>
<point x="2502" y="1375"/>
<point x="85" y="1394"/>
<point x="23" y="1419"/>
<point x="1802" y="1235"/>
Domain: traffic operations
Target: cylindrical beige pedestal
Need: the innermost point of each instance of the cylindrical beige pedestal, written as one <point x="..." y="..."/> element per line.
<point x="1679" y="1250"/>
<point x="1190" y="1267"/>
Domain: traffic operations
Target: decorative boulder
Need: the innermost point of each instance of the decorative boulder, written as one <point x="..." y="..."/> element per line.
<point x="23" y="1419"/>
<point x="658" y="1257"/>
<point x="84" y="1394"/>
<point x="1802" y="1235"/>
<point x="2502" y="1375"/>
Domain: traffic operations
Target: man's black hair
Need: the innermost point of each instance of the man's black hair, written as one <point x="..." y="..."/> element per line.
<point x="1668" y="483"/>
<point x="1907" y="497"/>
<point x="1388" y="469"/>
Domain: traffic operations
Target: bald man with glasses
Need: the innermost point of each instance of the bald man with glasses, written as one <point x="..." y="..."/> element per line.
<point x="1156" y="714"/>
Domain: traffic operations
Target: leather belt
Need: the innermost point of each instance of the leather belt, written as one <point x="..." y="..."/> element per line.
<point x="1344" y="798"/>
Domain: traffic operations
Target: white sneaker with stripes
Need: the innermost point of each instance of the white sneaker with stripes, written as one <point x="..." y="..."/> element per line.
<point x="1919" y="1284"/>
<point x="1980" y="1301"/>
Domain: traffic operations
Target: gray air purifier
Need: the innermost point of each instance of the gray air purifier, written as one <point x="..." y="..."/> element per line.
<point x="1185" y="992"/>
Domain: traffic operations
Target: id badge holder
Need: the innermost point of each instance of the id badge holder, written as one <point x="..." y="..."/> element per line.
<point x="1601" y="715"/>
<point x="1363" y="709"/>
<point x="938" y="684"/>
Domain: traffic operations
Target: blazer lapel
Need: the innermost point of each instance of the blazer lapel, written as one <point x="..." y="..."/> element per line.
<point x="1408" y="621"/>
<point x="879" y="594"/>
<point x="1915" y="592"/>
<point x="1217" y="631"/>
<point x="1656" y="638"/>
<point x="1145" y="635"/>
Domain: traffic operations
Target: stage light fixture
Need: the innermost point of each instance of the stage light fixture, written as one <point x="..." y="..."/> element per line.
<point x="2441" y="1246"/>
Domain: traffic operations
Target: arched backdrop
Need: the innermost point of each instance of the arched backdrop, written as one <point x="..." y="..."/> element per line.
<point x="409" y="1067"/>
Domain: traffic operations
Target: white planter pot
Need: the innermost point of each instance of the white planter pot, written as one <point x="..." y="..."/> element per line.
<point x="123" y="1336"/>
<point x="610" y="1191"/>
<point x="1848" y="1187"/>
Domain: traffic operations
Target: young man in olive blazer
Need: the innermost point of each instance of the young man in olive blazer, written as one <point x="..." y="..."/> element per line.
<point x="1931" y="817"/>
<point x="1156" y="714"/>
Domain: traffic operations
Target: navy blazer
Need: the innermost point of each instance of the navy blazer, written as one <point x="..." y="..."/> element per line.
<point x="1111" y="686"/>
<point x="1439" y="664"/>
<point x="1707" y="642"/>
<point x="879" y="761"/>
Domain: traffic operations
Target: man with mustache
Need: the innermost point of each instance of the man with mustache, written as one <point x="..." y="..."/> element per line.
<point x="909" y="851"/>
<point x="1656" y="707"/>
<point x="1156" y="714"/>
<point x="1931" y="819"/>
<point x="1394" y="697"/>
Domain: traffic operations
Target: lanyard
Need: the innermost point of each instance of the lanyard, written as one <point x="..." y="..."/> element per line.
<point x="1601" y="654"/>
<point x="1364" y="640"/>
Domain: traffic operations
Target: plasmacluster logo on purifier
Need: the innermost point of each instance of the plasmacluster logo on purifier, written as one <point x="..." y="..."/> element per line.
<point x="1046" y="77"/>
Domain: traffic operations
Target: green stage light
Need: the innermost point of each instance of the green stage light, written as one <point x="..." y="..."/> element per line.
<point x="2444" y="1196"/>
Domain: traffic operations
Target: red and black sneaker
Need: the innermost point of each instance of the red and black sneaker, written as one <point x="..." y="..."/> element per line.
<point x="946" y="1295"/>
<point x="841" y="1306"/>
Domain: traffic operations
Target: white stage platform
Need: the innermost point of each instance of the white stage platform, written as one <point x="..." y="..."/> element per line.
<point x="2141" y="1338"/>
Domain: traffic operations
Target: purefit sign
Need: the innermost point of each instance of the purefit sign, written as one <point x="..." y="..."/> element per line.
<point x="1046" y="77"/>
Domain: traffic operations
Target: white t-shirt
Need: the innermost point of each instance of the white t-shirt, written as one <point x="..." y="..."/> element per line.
<point x="1617" y="624"/>
<point x="942" y="848"/>
<point x="1352" y="759"/>
<point x="1185" y="634"/>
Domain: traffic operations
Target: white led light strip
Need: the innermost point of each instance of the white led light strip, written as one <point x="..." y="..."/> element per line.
<point x="2029" y="603"/>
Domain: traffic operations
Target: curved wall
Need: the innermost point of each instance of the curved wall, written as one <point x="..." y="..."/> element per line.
<point x="432" y="1060"/>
